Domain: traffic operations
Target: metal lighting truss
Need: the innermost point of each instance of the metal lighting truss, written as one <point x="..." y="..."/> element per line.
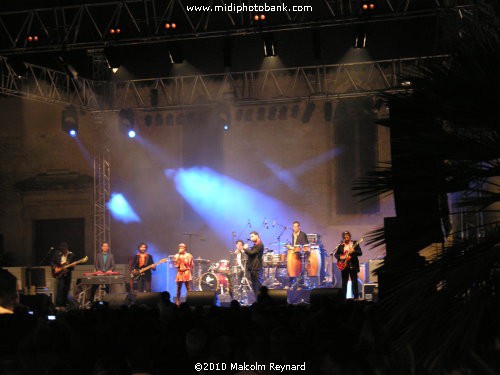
<point x="248" y="87"/>
<point x="88" y="26"/>
<point x="268" y="86"/>
<point x="102" y="185"/>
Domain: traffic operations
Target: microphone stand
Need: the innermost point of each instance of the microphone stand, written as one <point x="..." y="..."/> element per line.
<point x="45" y="257"/>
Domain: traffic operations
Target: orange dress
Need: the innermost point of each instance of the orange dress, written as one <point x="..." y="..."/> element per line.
<point x="184" y="264"/>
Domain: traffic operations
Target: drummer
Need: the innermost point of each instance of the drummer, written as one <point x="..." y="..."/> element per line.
<point x="299" y="238"/>
<point x="183" y="261"/>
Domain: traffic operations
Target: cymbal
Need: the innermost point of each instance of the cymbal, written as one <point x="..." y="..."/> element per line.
<point x="199" y="260"/>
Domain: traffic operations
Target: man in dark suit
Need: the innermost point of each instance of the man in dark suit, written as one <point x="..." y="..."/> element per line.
<point x="61" y="258"/>
<point x="348" y="252"/>
<point x="142" y="260"/>
<point x="298" y="237"/>
<point x="104" y="262"/>
<point x="254" y="262"/>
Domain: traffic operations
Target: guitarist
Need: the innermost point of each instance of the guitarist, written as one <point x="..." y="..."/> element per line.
<point x="142" y="260"/>
<point x="348" y="251"/>
<point x="61" y="258"/>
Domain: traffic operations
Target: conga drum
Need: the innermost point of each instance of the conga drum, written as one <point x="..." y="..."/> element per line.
<point x="313" y="265"/>
<point x="293" y="263"/>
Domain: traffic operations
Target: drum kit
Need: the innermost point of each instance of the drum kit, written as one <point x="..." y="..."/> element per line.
<point x="302" y="263"/>
<point x="223" y="277"/>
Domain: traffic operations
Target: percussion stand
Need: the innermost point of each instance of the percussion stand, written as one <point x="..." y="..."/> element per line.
<point x="244" y="286"/>
<point x="304" y="275"/>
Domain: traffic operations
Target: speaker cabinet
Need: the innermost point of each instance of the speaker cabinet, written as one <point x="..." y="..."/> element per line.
<point x="278" y="296"/>
<point x="147" y="298"/>
<point x="116" y="300"/>
<point x="39" y="303"/>
<point x="323" y="296"/>
<point x="202" y="298"/>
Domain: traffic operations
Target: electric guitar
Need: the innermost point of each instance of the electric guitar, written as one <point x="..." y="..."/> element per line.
<point x="60" y="271"/>
<point x="136" y="274"/>
<point x="342" y="263"/>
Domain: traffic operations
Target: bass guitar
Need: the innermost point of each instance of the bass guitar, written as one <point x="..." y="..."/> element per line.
<point x="136" y="274"/>
<point x="60" y="271"/>
<point x="342" y="263"/>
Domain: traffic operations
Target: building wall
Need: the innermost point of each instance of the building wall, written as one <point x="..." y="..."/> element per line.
<point x="289" y="162"/>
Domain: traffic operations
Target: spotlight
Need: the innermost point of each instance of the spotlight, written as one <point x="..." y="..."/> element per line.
<point x="115" y="31"/>
<point x="114" y="56"/>
<point x="69" y="121"/>
<point x="226" y="127"/>
<point x="175" y="54"/>
<point x="262" y="17"/>
<point x="360" y="37"/>
<point x="269" y="45"/>
<point x="32" y="38"/>
<point x="306" y="116"/>
<point x="283" y="112"/>
<point x="367" y="6"/>
<point x="170" y="25"/>
<point x="126" y="122"/>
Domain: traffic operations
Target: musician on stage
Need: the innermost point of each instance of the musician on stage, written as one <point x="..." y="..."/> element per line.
<point x="348" y="251"/>
<point x="184" y="263"/>
<point x="61" y="258"/>
<point x="254" y="262"/>
<point x="298" y="238"/>
<point x="142" y="260"/>
<point x="104" y="263"/>
<point x="239" y="252"/>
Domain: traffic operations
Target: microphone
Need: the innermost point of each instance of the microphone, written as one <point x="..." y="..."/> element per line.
<point x="265" y="224"/>
<point x="249" y="223"/>
<point x="274" y="223"/>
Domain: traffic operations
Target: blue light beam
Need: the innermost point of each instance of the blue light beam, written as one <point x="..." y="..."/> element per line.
<point x="121" y="210"/>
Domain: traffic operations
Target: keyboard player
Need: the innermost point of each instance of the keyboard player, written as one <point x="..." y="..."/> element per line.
<point x="104" y="263"/>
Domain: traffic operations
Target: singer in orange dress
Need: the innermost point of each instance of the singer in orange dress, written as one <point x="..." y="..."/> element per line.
<point x="184" y="263"/>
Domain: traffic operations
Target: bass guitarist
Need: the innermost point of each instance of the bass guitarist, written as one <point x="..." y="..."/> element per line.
<point x="143" y="260"/>
<point x="347" y="255"/>
<point x="61" y="258"/>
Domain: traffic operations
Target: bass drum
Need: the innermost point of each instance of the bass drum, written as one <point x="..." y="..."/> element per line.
<point x="213" y="282"/>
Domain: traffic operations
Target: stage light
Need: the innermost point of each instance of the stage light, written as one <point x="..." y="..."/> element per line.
<point x="174" y="26"/>
<point x="69" y="121"/>
<point x="126" y="122"/>
<point x="269" y="45"/>
<point x="17" y="65"/>
<point x="32" y="38"/>
<point x="175" y="53"/>
<point x="360" y="38"/>
<point x="306" y="116"/>
<point x="226" y="127"/>
<point x="115" y="31"/>
<point x="262" y="17"/>
<point x="367" y="6"/>
<point x="114" y="56"/>
<point x="256" y="17"/>
<point x="283" y="112"/>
